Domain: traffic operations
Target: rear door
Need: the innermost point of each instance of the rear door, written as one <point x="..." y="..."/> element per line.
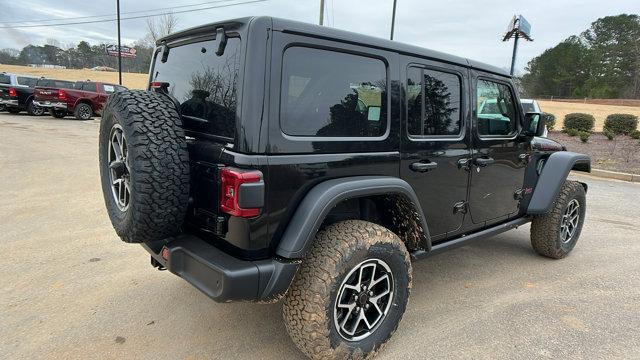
<point x="500" y="154"/>
<point x="435" y="141"/>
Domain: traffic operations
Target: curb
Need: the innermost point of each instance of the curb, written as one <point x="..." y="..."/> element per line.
<point x="614" y="175"/>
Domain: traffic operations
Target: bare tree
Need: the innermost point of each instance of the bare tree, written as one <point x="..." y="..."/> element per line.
<point x="161" y="26"/>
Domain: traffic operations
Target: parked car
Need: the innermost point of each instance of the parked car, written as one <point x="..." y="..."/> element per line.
<point x="531" y="105"/>
<point x="83" y="99"/>
<point x="16" y="93"/>
<point x="274" y="159"/>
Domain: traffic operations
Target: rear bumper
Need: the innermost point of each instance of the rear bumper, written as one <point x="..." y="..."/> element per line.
<point x="221" y="276"/>
<point x="7" y="102"/>
<point x="48" y="104"/>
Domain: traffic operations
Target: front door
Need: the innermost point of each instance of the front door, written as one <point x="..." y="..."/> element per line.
<point x="499" y="156"/>
<point x="435" y="142"/>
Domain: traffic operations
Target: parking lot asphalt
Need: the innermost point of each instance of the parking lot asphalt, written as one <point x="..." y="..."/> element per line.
<point x="71" y="289"/>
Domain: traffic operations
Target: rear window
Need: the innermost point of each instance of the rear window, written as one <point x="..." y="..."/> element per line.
<point x="204" y="84"/>
<point x="5" y="79"/>
<point x="27" y="81"/>
<point x="332" y="94"/>
<point x="58" y="84"/>
<point x="110" y="89"/>
<point x="89" y="86"/>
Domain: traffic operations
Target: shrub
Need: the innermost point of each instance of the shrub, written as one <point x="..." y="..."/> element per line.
<point x="572" y="132"/>
<point x="609" y="134"/>
<point x="579" y="121"/>
<point x="635" y="134"/>
<point x="549" y="120"/>
<point x="584" y="136"/>
<point x="621" y="123"/>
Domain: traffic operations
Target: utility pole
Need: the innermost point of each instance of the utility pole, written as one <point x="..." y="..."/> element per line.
<point x="393" y="18"/>
<point x="119" y="44"/>
<point x="321" y="12"/>
<point x="515" y="52"/>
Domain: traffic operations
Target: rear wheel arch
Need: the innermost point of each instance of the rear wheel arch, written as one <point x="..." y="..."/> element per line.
<point x="392" y="199"/>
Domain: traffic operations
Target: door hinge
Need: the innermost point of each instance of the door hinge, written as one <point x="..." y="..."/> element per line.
<point x="460" y="207"/>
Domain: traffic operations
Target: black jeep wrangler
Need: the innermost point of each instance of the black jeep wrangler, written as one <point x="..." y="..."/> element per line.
<point x="270" y="158"/>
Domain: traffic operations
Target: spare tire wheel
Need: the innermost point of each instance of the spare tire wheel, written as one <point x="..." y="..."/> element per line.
<point x="144" y="166"/>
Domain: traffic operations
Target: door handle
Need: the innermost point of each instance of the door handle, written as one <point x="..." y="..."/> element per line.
<point x="423" y="166"/>
<point x="482" y="162"/>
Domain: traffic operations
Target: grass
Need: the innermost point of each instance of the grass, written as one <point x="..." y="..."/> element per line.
<point x="130" y="80"/>
<point x="600" y="112"/>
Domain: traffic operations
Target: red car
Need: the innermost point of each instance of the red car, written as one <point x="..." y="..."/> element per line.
<point x="85" y="99"/>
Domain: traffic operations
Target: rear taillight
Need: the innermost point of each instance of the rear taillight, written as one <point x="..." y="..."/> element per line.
<point x="62" y="95"/>
<point x="159" y="86"/>
<point x="234" y="184"/>
<point x="13" y="92"/>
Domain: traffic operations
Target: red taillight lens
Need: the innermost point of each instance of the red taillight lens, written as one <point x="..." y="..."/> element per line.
<point x="13" y="92"/>
<point x="230" y="182"/>
<point x="62" y="95"/>
<point x="159" y="86"/>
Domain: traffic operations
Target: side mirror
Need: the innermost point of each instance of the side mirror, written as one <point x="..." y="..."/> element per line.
<point x="533" y="124"/>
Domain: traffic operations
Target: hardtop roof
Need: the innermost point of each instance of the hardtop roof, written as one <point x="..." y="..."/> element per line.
<point x="292" y="26"/>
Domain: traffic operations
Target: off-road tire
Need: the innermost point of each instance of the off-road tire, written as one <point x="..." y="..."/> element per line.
<point x="158" y="165"/>
<point x="34" y="110"/>
<point x="545" y="229"/>
<point x="308" y="308"/>
<point x="83" y="111"/>
<point x="58" y="114"/>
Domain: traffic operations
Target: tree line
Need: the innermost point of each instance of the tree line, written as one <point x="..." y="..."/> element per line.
<point x="83" y="55"/>
<point x="601" y="62"/>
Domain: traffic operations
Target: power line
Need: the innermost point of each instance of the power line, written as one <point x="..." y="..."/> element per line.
<point x="104" y="15"/>
<point x="131" y="17"/>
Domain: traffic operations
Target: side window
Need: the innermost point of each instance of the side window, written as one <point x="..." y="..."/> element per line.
<point x="90" y="86"/>
<point x="332" y="94"/>
<point x="433" y="103"/>
<point x="496" y="109"/>
<point x="28" y="81"/>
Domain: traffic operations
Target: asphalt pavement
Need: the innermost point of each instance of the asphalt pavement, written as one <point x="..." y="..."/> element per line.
<point x="70" y="289"/>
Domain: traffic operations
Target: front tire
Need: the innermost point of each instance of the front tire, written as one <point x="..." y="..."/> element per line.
<point x="350" y="292"/>
<point x="34" y="110"/>
<point x="83" y="111"/>
<point x="556" y="233"/>
<point x="58" y="114"/>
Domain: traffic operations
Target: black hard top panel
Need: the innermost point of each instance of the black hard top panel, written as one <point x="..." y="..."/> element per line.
<point x="291" y="26"/>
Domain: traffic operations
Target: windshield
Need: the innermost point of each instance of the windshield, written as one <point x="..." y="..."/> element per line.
<point x="528" y="107"/>
<point x="204" y="84"/>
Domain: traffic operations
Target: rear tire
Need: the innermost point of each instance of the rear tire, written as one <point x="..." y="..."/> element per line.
<point x="146" y="187"/>
<point x="321" y="307"/>
<point x="13" y="110"/>
<point x="34" y="110"/>
<point x="58" y="114"/>
<point x="83" y="111"/>
<point x="556" y="233"/>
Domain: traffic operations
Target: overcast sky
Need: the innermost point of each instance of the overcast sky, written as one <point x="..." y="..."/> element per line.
<point x="466" y="28"/>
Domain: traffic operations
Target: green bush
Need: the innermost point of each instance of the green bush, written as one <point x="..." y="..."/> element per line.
<point x="621" y="123"/>
<point x="579" y="121"/>
<point x="584" y="136"/>
<point x="609" y="134"/>
<point x="549" y="120"/>
<point x="572" y="132"/>
<point x="635" y="134"/>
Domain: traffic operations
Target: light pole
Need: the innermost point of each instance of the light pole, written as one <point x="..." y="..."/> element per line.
<point x="119" y="43"/>
<point x="518" y="27"/>
<point x="393" y="18"/>
<point x="321" y="12"/>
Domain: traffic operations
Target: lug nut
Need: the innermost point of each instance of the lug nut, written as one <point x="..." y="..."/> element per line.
<point x="366" y="306"/>
<point x="370" y="293"/>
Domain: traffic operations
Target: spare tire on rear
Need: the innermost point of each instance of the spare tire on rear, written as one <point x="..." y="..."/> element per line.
<point x="144" y="166"/>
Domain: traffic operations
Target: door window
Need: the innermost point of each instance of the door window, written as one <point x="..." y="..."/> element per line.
<point x="332" y="94"/>
<point x="433" y="103"/>
<point x="496" y="114"/>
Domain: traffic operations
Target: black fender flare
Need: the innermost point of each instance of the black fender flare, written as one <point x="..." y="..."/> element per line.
<point x="553" y="175"/>
<point x="319" y="201"/>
